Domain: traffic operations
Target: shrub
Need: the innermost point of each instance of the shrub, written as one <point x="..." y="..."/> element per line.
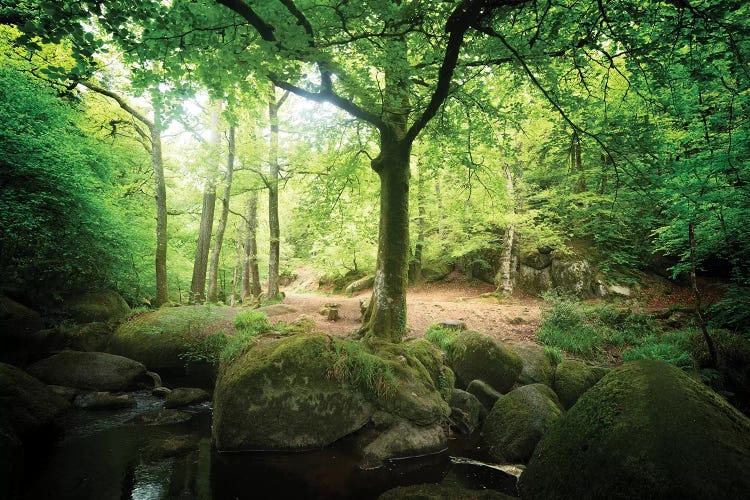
<point x="554" y="355"/>
<point x="252" y="322"/>
<point x="672" y="348"/>
<point x="209" y="349"/>
<point x="441" y="336"/>
<point x="353" y="364"/>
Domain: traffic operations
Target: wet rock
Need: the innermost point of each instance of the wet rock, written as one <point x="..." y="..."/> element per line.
<point x="161" y="392"/>
<point x="20" y="342"/>
<point x="185" y="396"/>
<point x="90" y="370"/>
<point x="172" y="446"/>
<point x="440" y="492"/>
<point x="67" y="393"/>
<point x="102" y="400"/>
<point x="27" y="404"/>
<point x="484" y="393"/>
<point x="517" y="422"/>
<point x="161" y="417"/>
<point x="645" y="430"/>
<point x="477" y="356"/>
<point x="404" y="439"/>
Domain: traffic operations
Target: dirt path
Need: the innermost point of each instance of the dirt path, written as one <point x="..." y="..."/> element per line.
<point x="513" y="320"/>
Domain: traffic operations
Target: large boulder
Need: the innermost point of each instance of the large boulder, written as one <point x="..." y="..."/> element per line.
<point x="536" y="367"/>
<point x="517" y="422"/>
<point x="96" y="371"/>
<point x="646" y="430"/>
<point x="403" y="439"/>
<point x="534" y="281"/>
<point x="163" y="339"/>
<point x="360" y="284"/>
<point x="467" y="412"/>
<point x="473" y="355"/>
<point x="105" y="305"/>
<point x="280" y="395"/>
<point x="573" y="378"/>
<point x="484" y="393"/>
<point x="20" y="342"/>
<point x="574" y="275"/>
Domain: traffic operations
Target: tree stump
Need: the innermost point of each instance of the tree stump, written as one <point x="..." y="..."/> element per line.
<point x="330" y="311"/>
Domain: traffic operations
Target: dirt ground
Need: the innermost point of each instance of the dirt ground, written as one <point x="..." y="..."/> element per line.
<point x="513" y="319"/>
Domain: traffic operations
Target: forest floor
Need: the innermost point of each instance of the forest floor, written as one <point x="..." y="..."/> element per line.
<point x="512" y="320"/>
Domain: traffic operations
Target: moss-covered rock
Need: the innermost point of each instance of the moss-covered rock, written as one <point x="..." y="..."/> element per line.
<point x="573" y="378"/>
<point x="184" y="396"/>
<point x="163" y="339"/>
<point x="466" y="412"/>
<point x="96" y="371"/>
<point x="473" y="355"/>
<point x="103" y="400"/>
<point x="646" y="430"/>
<point x="536" y="365"/>
<point x="433" y="360"/>
<point x="280" y="395"/>
<point x="19" y="341"/>
<point x="440" y="492"/>
<point x="484" y="393"/>
<point x="517" y="422"/>
<point x="106" y="305"/>
<point x="89" y="337"/>
<point x="404" y="439"/>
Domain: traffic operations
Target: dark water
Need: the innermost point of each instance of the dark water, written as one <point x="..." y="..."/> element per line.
<point x="102" y="456"/>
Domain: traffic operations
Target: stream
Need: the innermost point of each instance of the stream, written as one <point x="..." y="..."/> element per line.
<point x="115" y="454"/>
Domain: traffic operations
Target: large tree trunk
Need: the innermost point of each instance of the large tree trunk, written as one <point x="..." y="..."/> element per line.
<point x="160" y="194"/>
<point x="273" y="193"/>
<point x="387" y="314"/>
<point x="213" y="271"/>
<point x="236" y="273"/>
<point x="415" y="271"/>
<point x="250" y="273"/>
<point x="200" y="264"/>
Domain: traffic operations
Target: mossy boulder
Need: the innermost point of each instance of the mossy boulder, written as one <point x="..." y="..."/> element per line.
<point x="466" y="412"/>
<point x="484" y="393"/>
<point x="433" y="361"/>
<point x="536" y="366"/>
<point x="473" y="355"/>
<point x="185" y="396"/>
<point x="440" y="492"/>
<point x="97" y="371"/>
<point x="517" y="422"/>
<point x="163" y="339"/>
<point x="20" y="341"/>
<point x="91" y="337"/>
<point x="404" y="439"/>
<point x="646" y="430"/>
<point x="105" y="305"/>
<point x="573" y="378"/>
<point x="281" y="395"/>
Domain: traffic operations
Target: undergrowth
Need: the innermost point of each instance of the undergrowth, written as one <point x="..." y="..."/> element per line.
<point x="441" y="336"/>
<point x="353" y="364"/>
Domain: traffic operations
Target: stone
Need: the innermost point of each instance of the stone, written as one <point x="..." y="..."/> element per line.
<point x="536" y="366"/>
<point x="645" y="430"/>
<point x="436" y="271"/>
<point x="105" y="305"/>
<point x="20" y="342"/>
<point x="90" y="370"/>
<point x="473" y="355"/>
<point x="573" y="378"/>
<point x="440" y="492"/>
<point x="404" y="439"/>
<point x="536" y="260"/>
<point x="67" y="393"/>
<point x="467" y="412"/>
<point x="303" y="324"/>
<point x="27" y="403"/>
<point x="575" y="276"/>
<point x="330" y="311"/>
<point x="161" y="392"/>
<point x="517" y="422"/>
<point x="455" y="324"/>
<point x="172" y="446"/>
<point x="279" y="395"/>
<point x="484" y="393"/>
<point x="161" y="417"/>
<point x="90" y="337"/>
<point x="277" y="309"/>
<point x="619" y="290"/>
<point x="534" y="281"/>
<point x="185" y="396"/>
<point x="359" y="285"/>
<point x="103" y="400"/>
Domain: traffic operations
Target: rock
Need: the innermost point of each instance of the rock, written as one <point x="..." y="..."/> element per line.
<point x="155" y="379"/>
<point x="467" y="412"/>
<point x="161" y="339"/>
<point x="90" y="370"/>
<point x="172" y="446"/>
<point x="484" y="393"/>
<point x="103" y="400"/>
<point x="536" y="260"/>
<point x="359" y="285"/>
<point x="330" y="311"/>
<point x="19" y="341"/>
<point x="517" y="422"/>
<point x="185" y="396"/>
<point x="67" y="393"/>
<point x="364" y="304"/>
<point x="279" y="395"/>
<point x="106" y="305"/>
<point x="573" y="275"/>
<point x="161" y="392"/>
<point x="455" y="324"/>
<point x="27" y="404"/>
<point x="534" y="281"/>
<point x="646" y="430"/>
<point x="573" y="378"/>
<point x="536" y="366"/>
<point x="277" y="309"/>
<point x="440" y="492"/>
<point x="619" y="290"/>
<point x="435" y="271"/>
<point x="431" y="358"/>
<point x="303" y="324"/>
<point x="401" y="440"/>
<point x="90" y="337"/>
<point x="161" y="417"/>
<point x="473" y="355"/>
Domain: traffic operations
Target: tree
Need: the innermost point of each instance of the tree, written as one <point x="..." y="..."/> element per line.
<point x="272" y="182"/>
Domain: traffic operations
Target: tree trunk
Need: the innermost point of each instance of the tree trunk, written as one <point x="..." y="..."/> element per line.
<point x="697" y="296"/>
<point x="250" y="272"/>
<point x="388" y="305"/>
<point x="415" y="271"/>
<point x="237" y="268"/>
<point x="213" y="271"/>
<point x="160" y="194"/>
<point x="505" y="276"/>
<point x="273" y="193"/>
<point x="200" y="264"/>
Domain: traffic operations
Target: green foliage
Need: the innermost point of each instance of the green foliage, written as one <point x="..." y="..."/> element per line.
<point x="441" y="336"/>
<point x="237" y="345"/>
<point x="553" y="354"/>
<point x="252" y="322"/>
<point x="61" y="229"/>
<point x="353" y="364"/>
<point x="209" y="349"/>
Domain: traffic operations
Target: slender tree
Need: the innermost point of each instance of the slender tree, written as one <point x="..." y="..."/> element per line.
<point x="272" y="181"/>
<point x="213" y="270"/>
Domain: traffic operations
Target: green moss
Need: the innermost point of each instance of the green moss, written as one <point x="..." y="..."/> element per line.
<point x="573" y="378"/>
<point x="477" y="356"/>
<point x="441" y="336"/>
<point x="251" y="322"/>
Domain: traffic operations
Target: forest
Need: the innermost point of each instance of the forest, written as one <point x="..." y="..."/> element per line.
<point x="374" y="249"/>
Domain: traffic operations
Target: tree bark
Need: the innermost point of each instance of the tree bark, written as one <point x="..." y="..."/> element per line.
<point x="415" y="271"/>
<point x="213" y="271"/>
<point x="698" y="301"/>
<point x="236" y="273"/>
<point x="505" y="281"/>
<point x="160" y="195"/>
<point x="274" y="249"/>
<point x="250" y="273"/>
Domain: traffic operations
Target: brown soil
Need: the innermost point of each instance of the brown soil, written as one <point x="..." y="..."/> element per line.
<point x="513" y="319"/>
